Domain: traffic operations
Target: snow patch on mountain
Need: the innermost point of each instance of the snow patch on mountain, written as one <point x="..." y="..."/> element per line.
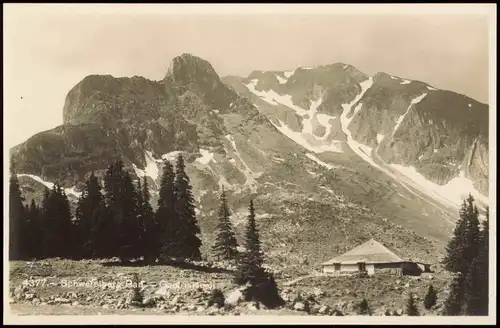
<point x="324" y="120"/>
<point x="307" y="141"/>
<point x="206" y="157"/>
<point x="274" y="98"/>
<point x="320" y="162"/>
<point x="414" y="101"/>
<point x="288" y="73"/>
<point x="406" y="82"/>
<point x="50" y="185"/>
<point x="249" y="174"/>
<point x="361" y="150"/>
<point x="380" y="137"/>
<point x="308" y="123"/>
<point x="151" y="169"/>
<point x="281" y="80"/>
<point x="431" y="88"/>
<point x="171" y="156"/>
<point x="455" y="191"/>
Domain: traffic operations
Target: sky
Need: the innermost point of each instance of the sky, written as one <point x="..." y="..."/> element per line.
<point x="50" y="48"/>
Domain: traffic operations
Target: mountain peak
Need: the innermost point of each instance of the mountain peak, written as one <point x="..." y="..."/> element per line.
<point x="189" y="72"/>
<point x="188" y="68"/>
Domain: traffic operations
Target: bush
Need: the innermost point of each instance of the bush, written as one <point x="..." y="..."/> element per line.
<point x="216" y="298"/>
<point x="266" y="292"/>
<point x="364" y="308"/>
<point x="411" y="307"/>
<point x="137" y="296"/>
<point x="430" y="298"/>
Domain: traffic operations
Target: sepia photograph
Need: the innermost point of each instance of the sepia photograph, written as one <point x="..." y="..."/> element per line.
<point x="241" y="163"/>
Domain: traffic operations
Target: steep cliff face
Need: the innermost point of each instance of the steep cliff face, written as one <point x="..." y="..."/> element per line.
<point x="440" y="134"/>
<point x="435" y="131"/>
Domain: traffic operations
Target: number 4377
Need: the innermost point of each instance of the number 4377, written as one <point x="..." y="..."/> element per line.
<point x="34" y="282"/>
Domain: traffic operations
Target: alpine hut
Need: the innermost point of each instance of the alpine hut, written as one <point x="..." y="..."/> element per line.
<point x="372" y="257"/>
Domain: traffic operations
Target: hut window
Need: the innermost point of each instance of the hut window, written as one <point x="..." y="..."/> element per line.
<point x="337" y="266"/>
<point x="361" y="266"/>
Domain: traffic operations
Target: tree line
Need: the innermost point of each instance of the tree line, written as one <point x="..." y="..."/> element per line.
<point x="113" y="220"/>
<point x="117" y="220"/>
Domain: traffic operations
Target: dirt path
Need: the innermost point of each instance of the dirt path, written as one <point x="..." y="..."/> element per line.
<point x="291" y="282"/>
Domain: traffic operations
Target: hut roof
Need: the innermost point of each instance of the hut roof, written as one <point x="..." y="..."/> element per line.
<point x="370" y="252"/>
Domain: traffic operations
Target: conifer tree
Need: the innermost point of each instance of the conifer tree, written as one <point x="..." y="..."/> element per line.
<point x="484" y="260"/>
<point x="149" y="241"/>
<point x="473" y="292"/>
<point x="476" y="282"/>
<point x="462" y="248"/>
<point x="113" y="227"/>
<point x="430" y="298"/>
<point x="411" y="306"/>
<point x="17" y="218"/>
<point x="453" y="305"/>
<point x="132" y="229"/>
<point x="263" y="287"/>
<point x="121" y="201"/>
<point x="165" y="218"/>
<point x="140" y="216"/>
<point x="250" y="268"/>
<point x="34" y="230"/>
<point x="225" y="246"/>
<point x="364" y="308"/>
<point x="90" y="214"/>
<point x="187" y="243"/>
<point x="57" y="223"/>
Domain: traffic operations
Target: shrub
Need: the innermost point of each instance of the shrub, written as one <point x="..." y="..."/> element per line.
<point x="137" y="295"/>
<point x="216" y="298"/>
<point x="411" y="307"/>
<point x="363" y="307"/>
<point x="430" y="298"/>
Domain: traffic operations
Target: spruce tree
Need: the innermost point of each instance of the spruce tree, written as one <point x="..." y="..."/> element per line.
<point x="430" y="298"/>
<point x="484" y="260"/>
<point x="121" y="200"/>
<point x="225" y="246"/>
<point x="250" y="267"/>
<point x="149" y="241"/>
<point x="364" y="308"/>
<point x="81" y="225"/>
<point x="132" y="229"/>
<point x="90" y="214"/>
<point x="411" y="306"/>
<point x="17" y="219"/>
<point x="262" y="285"/>
<point x="165" y="218"/>
<point x="454" y="303"/>
<point x="113" y="226"/>
<point x="473" y="292"/>
<point x="57" y="223"/>
<point x="34" y="230"/>
<point x="476" y="282"/>
<point x="462" y="248"/>
<point x="64" y="223"/>
<point x="187" y="243"/>
<point x="140" y="217"/>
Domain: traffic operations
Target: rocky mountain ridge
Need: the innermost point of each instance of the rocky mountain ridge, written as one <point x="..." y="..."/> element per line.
<point x="297" y="142"/>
